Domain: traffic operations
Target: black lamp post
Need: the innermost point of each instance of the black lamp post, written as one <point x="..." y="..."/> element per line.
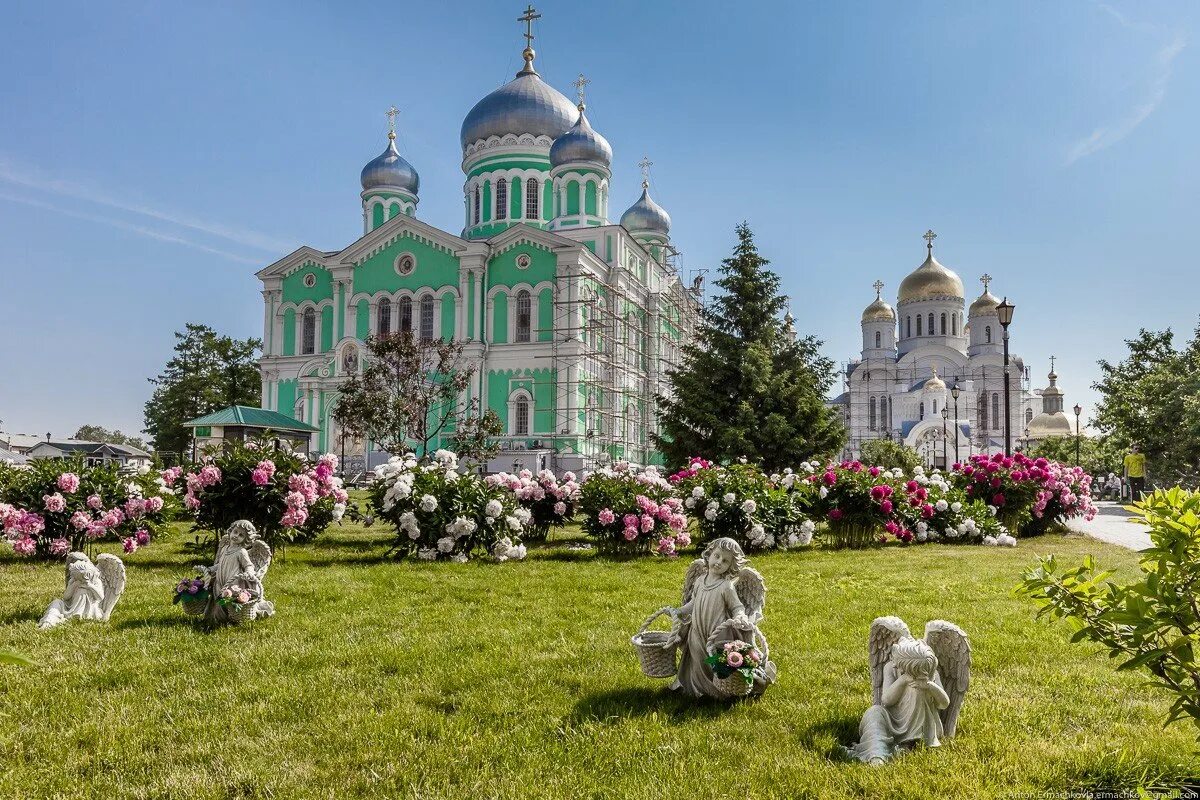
<point x="1004" y="310"/>
<point x="954" y="394"/>
<point x="945" y="438"/>
<point x="1078" y="410"/>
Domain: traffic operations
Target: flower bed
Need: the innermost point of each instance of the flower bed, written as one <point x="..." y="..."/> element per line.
<point x="50" y="507"/>
<point x="631" y="512"/>
<point x="741" y="502"/>
<point x="440" y="514"/>
<point x="1029" y="494"/>
<point x="550" y="502"/>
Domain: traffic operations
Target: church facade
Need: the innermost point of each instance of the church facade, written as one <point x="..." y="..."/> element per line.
<point x="571" y="320"/>
<point x="931" y="373"/>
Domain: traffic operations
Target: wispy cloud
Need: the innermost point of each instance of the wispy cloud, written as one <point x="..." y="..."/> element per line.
<point x="13" y="174"/>
<point x="1156" y="91"/>
<point x="140" y="230"/>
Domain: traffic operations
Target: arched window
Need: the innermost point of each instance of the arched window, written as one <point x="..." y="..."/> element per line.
<point x="886" y="412"/>
<point x="878" y="339"/>
<point x="983" y="417"/>
<point x="954" y="324"/>
<point x="921" y="413"/>
<point x="919" y="318"/>
<point x="502" y="199"/>
<point x="987" y="334"/>
<point x="935" y="408"/>
<point x="931" y="323"/>
<point x="996" y="410"/>
<point x="405" y="307"/>
<point x="908" y="325"/>
<point x="1028" y="415"/>
<point x="475" y="212"/>
<point x="521" y="416"/>
<point x="871" y="414"/>
<point x="427" y="318"/>
<point x="524" y="316"/>
<point x="308" y="336"/>
<point x="383" y="322"/>
<point x="943" y="325"/>
<point x="531" y="199"/>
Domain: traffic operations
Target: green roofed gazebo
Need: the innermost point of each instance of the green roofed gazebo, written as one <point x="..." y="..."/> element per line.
<point x="240" y="423"/>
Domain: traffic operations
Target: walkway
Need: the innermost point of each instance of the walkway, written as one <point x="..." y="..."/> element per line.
<point x="1112" y="524"/>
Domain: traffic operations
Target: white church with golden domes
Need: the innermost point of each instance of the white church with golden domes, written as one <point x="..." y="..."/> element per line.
<point x="932" y="377"/>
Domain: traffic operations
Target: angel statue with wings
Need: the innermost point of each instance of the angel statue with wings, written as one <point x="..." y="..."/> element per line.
<point x="92" y="590"/>
<point x="723" y="602"/>
<point x="918" y="687"/>
<point x="235" y="581"/>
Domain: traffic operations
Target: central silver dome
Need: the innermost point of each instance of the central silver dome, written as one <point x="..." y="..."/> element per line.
<point x="526" y="104"/>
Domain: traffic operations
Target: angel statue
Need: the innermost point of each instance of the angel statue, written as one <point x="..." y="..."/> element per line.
<point x="918" y="687"/>
<point x="235" y="580"/>
<point x="92" y="590"/>
<point x="723" y="602"/>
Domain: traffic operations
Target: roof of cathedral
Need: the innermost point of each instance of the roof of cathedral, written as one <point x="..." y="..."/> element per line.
<point x="646" y="216"/>
<point x="984" y="305"/>
<point x="1046" y="425"/>
<point x="931" y="280"/>
<point x="526" y="104"/>
<point x="879" y="310"/>
<point x="389" y="170"/>
<point x="935" y="383"/>
<point x="580" y="144"/>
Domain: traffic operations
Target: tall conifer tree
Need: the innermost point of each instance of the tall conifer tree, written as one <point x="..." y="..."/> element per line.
<point x="748" y="385"/>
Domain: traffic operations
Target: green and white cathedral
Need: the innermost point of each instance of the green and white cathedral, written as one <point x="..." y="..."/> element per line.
<point x="572" y="320"/>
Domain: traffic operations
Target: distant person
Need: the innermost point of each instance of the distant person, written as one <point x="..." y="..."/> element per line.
<point x="1135" y="472"/>
<point x="1112" y="486"/>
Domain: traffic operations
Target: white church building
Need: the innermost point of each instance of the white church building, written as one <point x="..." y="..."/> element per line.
<point x="931" y="375"/>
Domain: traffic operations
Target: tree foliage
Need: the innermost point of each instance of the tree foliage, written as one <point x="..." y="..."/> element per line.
<point x="207" y="373"/>
<point x="409" y="395"/>
<point x="888" y="454"/>
<point x="1152" y="398"/>
<point x="1098" y="455"/>
<point x="97" y="433"/>
<point x="748" y="385"/>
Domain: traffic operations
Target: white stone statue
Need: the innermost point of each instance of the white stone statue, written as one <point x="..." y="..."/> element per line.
<point x="723" y="601"/>
<point x="235" y="580"/>
<point x="918" y="687"/>
<point x="92" y="590"/>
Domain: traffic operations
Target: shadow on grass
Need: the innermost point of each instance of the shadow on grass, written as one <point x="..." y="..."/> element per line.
<point x="642" y="701"/>
<point x="157" y="622"/>
<point x="844" y="731"/>
<point x="17" y="617"/>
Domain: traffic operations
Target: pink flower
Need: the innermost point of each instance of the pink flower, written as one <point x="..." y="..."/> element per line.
<point x="60" y="547"/>
<point x="998" y="500"/>
<point x="68" y="482"/>
<point x="733" y="658"/>
<point x="134" y="507"/>
<point x="830" y="478"/>
<point x="886" y="506"/>
<point x="24" y="546"/>
<point x="560" y="508"/>
<point x="678" y="522"/>
<point x="260" y="477"/>
<point x="169" y="476"/>
<point x="294" y="500"/>
<point x="873" y="472"/>
<point x="647" y="523"/>
<point x="340" y="495"/>
<point x="142" y="536"/>
<point x="210" y="475"/>
<point x="80" y="520"/>
<point x="191" y="502"/>
<point x="835" y="514"/>
<point x="666" y="547"/>
<point x="927" y="511"/>
<point x="129" y="544"/>
<point x="682" y="540"/>
<point x="154" y="505"/>
<point x="606" y="516"/>
<point x="96" y="530"/>
<point x="54" y="502"/>
<point x="294" y="517"/>
<point x="630" y="534"/>
<point x="94" y="502"/>
<point x="630" y="520"/>
<point x="243" y="596"/>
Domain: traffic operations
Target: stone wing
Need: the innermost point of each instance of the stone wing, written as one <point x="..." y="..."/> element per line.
<point x="949" y="643"/>
<point x="885" y="633"/>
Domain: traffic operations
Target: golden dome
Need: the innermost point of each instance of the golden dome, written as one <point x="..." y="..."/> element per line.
<point x="984" y="305"/>
<point x="879" y="311"/>
<point x="935" y="383"/>
<point x="930" y="281"/>
<point x="1046" y="426"/>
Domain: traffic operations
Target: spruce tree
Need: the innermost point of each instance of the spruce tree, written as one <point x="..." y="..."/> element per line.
<point x="748" y="385"/>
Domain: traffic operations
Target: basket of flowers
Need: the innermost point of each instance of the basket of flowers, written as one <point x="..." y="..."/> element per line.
<point x="237" y="603"/>
<point x="656" y="650"/>
<point x="734" y="665"/>
<point x="192" y="595"/>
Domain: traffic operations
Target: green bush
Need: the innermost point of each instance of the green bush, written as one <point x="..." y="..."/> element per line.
<point x="889" y="455"/>
<point x="1152" y="624"/>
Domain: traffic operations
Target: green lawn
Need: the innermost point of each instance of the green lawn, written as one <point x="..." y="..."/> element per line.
<point x="516" y="680"/>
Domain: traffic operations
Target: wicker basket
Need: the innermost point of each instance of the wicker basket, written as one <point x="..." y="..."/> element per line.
<point x="735" y="684"/>
<point x="194" y="607"/>
<point x="655" y="655"/>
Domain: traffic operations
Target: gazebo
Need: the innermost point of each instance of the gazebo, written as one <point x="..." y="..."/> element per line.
<point x="242" y="423"/>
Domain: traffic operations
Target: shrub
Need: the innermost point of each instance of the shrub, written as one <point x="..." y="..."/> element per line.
<point x="857" y="503"/>
<point x="1151" y="624"/>
<point x="1029" y="494"/>
<point x="889" y="455"/>
<point x="551" y="503"/>
<point x="741" y="502"/>
<point x="626" y="511"/>
<point x="441" y="514"/>
<point x="50" y="507"/>
<point x="288" y="498"/>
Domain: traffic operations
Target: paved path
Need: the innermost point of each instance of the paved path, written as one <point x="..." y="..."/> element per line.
<point x="1113" y="525"/>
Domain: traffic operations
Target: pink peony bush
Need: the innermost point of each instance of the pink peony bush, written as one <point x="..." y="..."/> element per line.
<point x="550" y="502"/>
<point x="633" y="512"/>
<point x="1029" y="494"/>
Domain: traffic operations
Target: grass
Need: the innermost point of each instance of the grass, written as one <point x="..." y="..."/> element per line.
<point x="517" y="680"/>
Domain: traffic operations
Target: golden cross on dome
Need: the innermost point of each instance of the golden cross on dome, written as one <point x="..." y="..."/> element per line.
<point x="528" y="17"/>
<point x="645" y="164"/>
<point x="391" y="115"/>
<point x="929" y="236"/>
<point x="878" y="287"/>
<point x="579" y="83"/>
<point x="985" y="279"/>
<point x="1052" y="363"/>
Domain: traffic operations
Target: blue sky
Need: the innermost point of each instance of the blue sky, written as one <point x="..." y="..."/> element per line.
<point x="153" y="156"/>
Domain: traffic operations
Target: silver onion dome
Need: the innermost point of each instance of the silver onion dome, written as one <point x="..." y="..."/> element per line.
<point x="526" y="104"/>
<point x="389" y="170"/>
<point x="646" y="216"/>
<point x="581" y="144"/>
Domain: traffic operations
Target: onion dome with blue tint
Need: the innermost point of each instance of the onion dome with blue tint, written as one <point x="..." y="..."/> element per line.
<point x="389" y="170"/>
<point x="581" y="144"/>
<point x="524" y="105"/>
<point x="646" y="216"/>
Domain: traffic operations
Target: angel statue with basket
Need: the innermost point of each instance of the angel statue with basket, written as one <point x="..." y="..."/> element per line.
<point x="722" y="653"/>
<point x="918" y="687"/>
<point x="92" y="590"/>
<point x="231" y="590"/>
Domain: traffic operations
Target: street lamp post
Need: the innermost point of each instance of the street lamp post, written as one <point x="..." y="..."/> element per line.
<point x="945" y="438"/>
<point x="1004" y="310"/>
<point x="954" y="394"/>
<point x="1078" y="410"/>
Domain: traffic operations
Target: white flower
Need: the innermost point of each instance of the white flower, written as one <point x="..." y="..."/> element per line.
<point x="922" y="527"/>
<point x="523" y="514"/>
<point x="339" y="510"/>
<point x="493" y="508"/>
<point x="514" y="524"/>
<point x="459" y="558"/>
<point x="918" y="470"/>
<point x="427" y="553"/>
<point x="962" y="527"/>
<point x="712" y="506"/>
<point x="749" y="506"/>
<point x="414" y="533"/>
<point x="897" y="472"/>
<point x="445" y="544"/>
<point x="710" y="514"/>
<point x="808" y="526"/>
<point x="428" y="502"/>
<point x="698" y="492"/>
<point x="792" y="540"/>
<point x="517" y="553"/>
<point x="757" y="534"/>
<point x="824" y="492"/>
<point x="956" y="507"/>
<point x="990" y="541"/>
<point x="729" y="498"/>
<point x="941" y="505"/>
<point x="971" y="526"/>
<point x="1006" y="540"/>
<point x="770" y="540"/>
<point x="992" y="510"/>
<point x="690" y="502"/>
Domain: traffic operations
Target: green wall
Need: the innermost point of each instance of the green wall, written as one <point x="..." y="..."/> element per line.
<point x="287" y="398"/>
<point x="326" y="329"/>
<point x="500" y="318"/>
<point x="503" y="270"/>
<point x="362" y="320"/>
<point x="545" y="331"/>
<point x="447" y="317"/>
<point x="289" y="332"/>
<point x="294" y="290"/>
<point x="435" y="268"/>
<point x="540" y="383"/>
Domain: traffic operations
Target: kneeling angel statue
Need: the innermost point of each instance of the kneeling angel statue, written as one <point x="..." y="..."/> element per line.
<point x="918" y="687"/>
<point x="92" y="590"/>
